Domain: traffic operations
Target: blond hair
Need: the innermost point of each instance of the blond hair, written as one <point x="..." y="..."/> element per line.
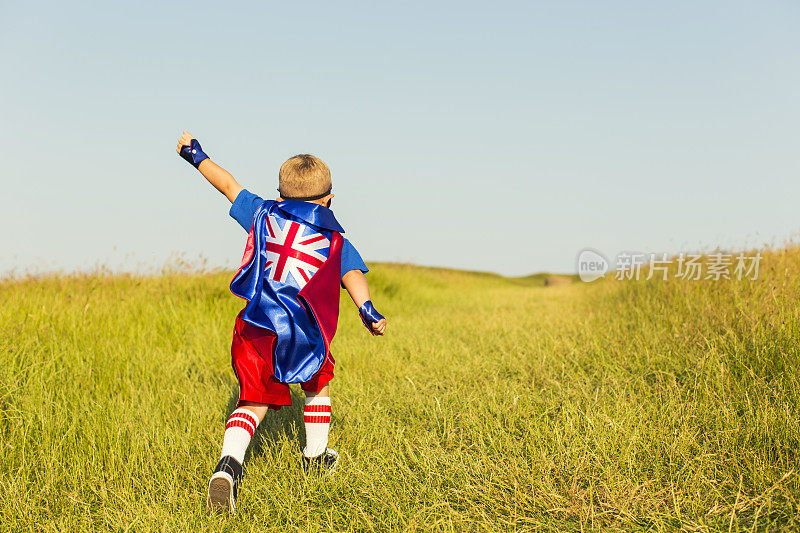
<point x="304" y="177"/>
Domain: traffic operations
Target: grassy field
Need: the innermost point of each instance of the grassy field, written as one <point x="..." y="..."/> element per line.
<point x="492" y="404"/>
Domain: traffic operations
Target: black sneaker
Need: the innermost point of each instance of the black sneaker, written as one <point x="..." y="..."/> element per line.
<point x="223" y="486"/>
<point x="326" y="461"/>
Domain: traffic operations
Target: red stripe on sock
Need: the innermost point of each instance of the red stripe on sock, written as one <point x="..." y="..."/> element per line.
<point x="233" y="423"/>
<point x="318" y="408"/>
<point x="246" y="416"/>
<point x="324" y="419"/>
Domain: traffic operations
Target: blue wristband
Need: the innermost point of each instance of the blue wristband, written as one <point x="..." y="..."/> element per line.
<point x="369" y="315"/>
<point x="193" y="153"/>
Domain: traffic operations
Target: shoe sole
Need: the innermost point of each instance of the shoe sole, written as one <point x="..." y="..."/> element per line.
<point x="220" y="495"/>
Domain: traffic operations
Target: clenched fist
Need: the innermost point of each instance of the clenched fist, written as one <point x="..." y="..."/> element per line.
<point x="190" y="150"/>
<point x="379" y="327"/>
<point x="185" y="140"/>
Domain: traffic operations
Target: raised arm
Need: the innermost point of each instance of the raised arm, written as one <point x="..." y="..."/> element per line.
<point x="221" y="179"/>
<point x="356" y="284"/>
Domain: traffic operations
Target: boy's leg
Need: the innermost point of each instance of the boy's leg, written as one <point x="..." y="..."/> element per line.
<point x="317" y="418"/>
<point x="239" y="431"/>
<point x="241" y="427"/>
<point x="251" y="358"/>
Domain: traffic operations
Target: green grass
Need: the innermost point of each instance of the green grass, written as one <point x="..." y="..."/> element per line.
<point x="492" y="404"/>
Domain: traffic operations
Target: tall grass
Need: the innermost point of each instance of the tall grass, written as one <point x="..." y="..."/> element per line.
<point x="492" y="403"/>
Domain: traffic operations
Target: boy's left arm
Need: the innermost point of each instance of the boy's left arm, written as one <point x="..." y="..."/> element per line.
<point x="356" y="284"/>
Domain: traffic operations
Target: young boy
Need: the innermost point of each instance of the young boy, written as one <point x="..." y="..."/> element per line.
<point x="294" y="260"/>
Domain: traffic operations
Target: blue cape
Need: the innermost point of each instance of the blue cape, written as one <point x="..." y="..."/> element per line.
<point x="299" y="304"/>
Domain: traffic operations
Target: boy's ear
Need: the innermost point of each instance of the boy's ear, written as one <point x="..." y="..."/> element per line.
<point x="325" y="201"/>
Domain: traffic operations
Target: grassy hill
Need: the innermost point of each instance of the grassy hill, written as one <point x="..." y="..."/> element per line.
<point x="492" y="404"/>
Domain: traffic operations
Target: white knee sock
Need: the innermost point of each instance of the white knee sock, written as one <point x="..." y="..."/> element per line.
<point x="317" y="416"/>
<point x="239" y="430"/>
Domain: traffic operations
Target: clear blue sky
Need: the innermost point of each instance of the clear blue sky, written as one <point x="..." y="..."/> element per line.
<point x="490" y="136"/>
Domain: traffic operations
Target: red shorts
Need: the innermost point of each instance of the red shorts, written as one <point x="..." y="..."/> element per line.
<point x="251" y="358"/>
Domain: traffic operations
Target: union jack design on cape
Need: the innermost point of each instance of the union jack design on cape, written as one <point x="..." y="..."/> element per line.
<point x="290" y="277"/>
<point x="294" y="252"/>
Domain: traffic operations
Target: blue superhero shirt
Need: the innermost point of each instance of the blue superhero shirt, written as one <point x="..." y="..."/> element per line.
<point x="245" y="206"/>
